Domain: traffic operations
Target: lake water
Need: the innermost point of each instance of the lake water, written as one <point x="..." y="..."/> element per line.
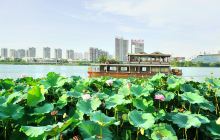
<point x="16" y="71"/>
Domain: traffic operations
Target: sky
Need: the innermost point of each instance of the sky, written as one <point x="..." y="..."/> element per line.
<point x="178" y="27"/>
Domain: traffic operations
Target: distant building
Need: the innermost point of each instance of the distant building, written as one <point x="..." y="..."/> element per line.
<point x="46" y="53"/>
<point x="86" y="56"/>
<point x="31" y="52"/>
<point x="207" y="58"/>
<point x="137" y="46"/>
<point x="12" y="53"/>
<point x="95" y="53"/>
<point x="178" y="59"/>
<point x="58" y="53"/>
<point x="4" y="52"/>
<point x="20" y="53"/>
<point x="70" y="54"/>
<point x="78" y="56"/>
<point x="121" y="49"/>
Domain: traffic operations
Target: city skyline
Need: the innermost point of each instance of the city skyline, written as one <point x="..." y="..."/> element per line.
<point x="171" y="26"/>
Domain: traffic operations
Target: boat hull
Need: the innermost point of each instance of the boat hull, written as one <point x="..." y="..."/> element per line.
<point x="120" y="75"/>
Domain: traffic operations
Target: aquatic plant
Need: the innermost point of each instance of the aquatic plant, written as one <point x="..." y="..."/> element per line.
<point x="158" y="108"/>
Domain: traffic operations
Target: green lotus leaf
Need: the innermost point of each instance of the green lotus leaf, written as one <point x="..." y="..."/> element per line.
<point x="124" y="90"/>
<point x="6" y="84"/>
<point x="35" y="96"/>
<point x="46" y="108"/>
<point x="87" y="106"/>
<point x="140" y="119"/>
<point x="92" y="131"/>
<point x="159" y="115"/>
<point x="115" y="100"/>
<point x="214" y="128"/>
<point x="143" y="104"/>
<point x="13" y="96"/>
<point x="53" y="80"/>
<point x="187" y="120"/>
<point x="187" y="88"/>
<point x="74" y="94"/>
<point x="207" y="105"/>
<point x="11" y="111"/>
<point x="62" y="101"/>
<point x="138" y="90"/>
<point x="101" y="96"/>
<point x="168" y="95"/>
<point x="101" y="118"/>
<point x="49" y="130"/>
<point x="174" y="82"/>
<point x="157" y="77"/>
<point x="214" y="83"/>
<point x="163" y="132"/>
<point x="193" y="98"/>
<point x="217" y="94"/>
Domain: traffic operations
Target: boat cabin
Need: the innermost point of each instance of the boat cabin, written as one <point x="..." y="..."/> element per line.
<point x="138" y="63"/>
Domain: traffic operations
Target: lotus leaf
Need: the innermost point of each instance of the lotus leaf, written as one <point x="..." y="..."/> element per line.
<point x="46" y="108"/>
<point x="140" y="119"/>
<point x="214" y="128"/>
<point x="92" y="131"/>
<point x="187" y="120"/>
<point x="115" y="100"/>
<point x="193" y="98"/>
<point x="101" y="118"/>
<point x="144" y="104"/>
<point x="11" y="111"/>
<point x="163" y="132"/>
<point x="87" y="106"/>
<point x="35" y="96"/>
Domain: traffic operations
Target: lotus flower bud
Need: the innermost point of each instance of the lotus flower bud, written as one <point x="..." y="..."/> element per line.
<point x="86" y="96"/>
<point x="109" y="82"/>
<point x="159" y="97"/>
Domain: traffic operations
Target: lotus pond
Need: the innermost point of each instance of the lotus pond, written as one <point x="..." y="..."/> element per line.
<point x="60" y="108"/>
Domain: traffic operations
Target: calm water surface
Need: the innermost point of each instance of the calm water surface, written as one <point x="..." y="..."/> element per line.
<point x="16" y="71"/>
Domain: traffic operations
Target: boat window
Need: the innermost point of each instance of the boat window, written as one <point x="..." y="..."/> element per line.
<point x="155" y="69"/>
<point x="164" y="69"/>
<point x="124" y="68"/>
<point x="112" y="68"/>
<point x="144" y="69"/>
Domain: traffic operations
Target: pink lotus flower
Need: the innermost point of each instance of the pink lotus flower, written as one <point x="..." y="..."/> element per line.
<point x="86" y="96"/>
<point x="109" y="82"/>
<point x="159" y="97"/>
<point x="129" y="85"/>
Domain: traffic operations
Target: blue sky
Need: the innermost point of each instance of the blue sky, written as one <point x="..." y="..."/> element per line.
<point x="179" y="27"/>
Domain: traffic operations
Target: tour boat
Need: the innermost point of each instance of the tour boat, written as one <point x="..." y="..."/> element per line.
<point x="138" y="65"/>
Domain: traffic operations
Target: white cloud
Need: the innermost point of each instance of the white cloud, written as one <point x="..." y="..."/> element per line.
<point x="200" y="13"/>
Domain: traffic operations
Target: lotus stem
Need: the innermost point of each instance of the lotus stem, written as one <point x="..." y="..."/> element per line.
<point x="5" y="134"/>
<point x="196" y="135"/>
<point x="190" y="107"/>
<point x="217" y="107"/>
<point x="186" y="134"/>
<point x="100" y="132"/>
<point x="137" y="134"/>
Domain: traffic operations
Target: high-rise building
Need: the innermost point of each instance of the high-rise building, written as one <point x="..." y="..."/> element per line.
<point x="70" y="54"/>
<point x="86" y="56"/>
<point x="4" y="52"/>
<point x="46" y="53"/>
<point x="78" y="56"/>
<point x="12" y="53"/>
<point x="58" y="53"/>
<point x="95" y="53"/>
<point x="20" y="53"/>
<point x="137" y="46"/>
<point x="121" y="49"/>
<point x="31" y="52"/>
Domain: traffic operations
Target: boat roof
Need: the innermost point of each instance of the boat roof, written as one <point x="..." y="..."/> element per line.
<point x="156" y="65"/>
<point x="151" y="54"/>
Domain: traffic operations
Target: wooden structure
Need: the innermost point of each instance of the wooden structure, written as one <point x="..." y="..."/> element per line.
<point x="138" y="65"/>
